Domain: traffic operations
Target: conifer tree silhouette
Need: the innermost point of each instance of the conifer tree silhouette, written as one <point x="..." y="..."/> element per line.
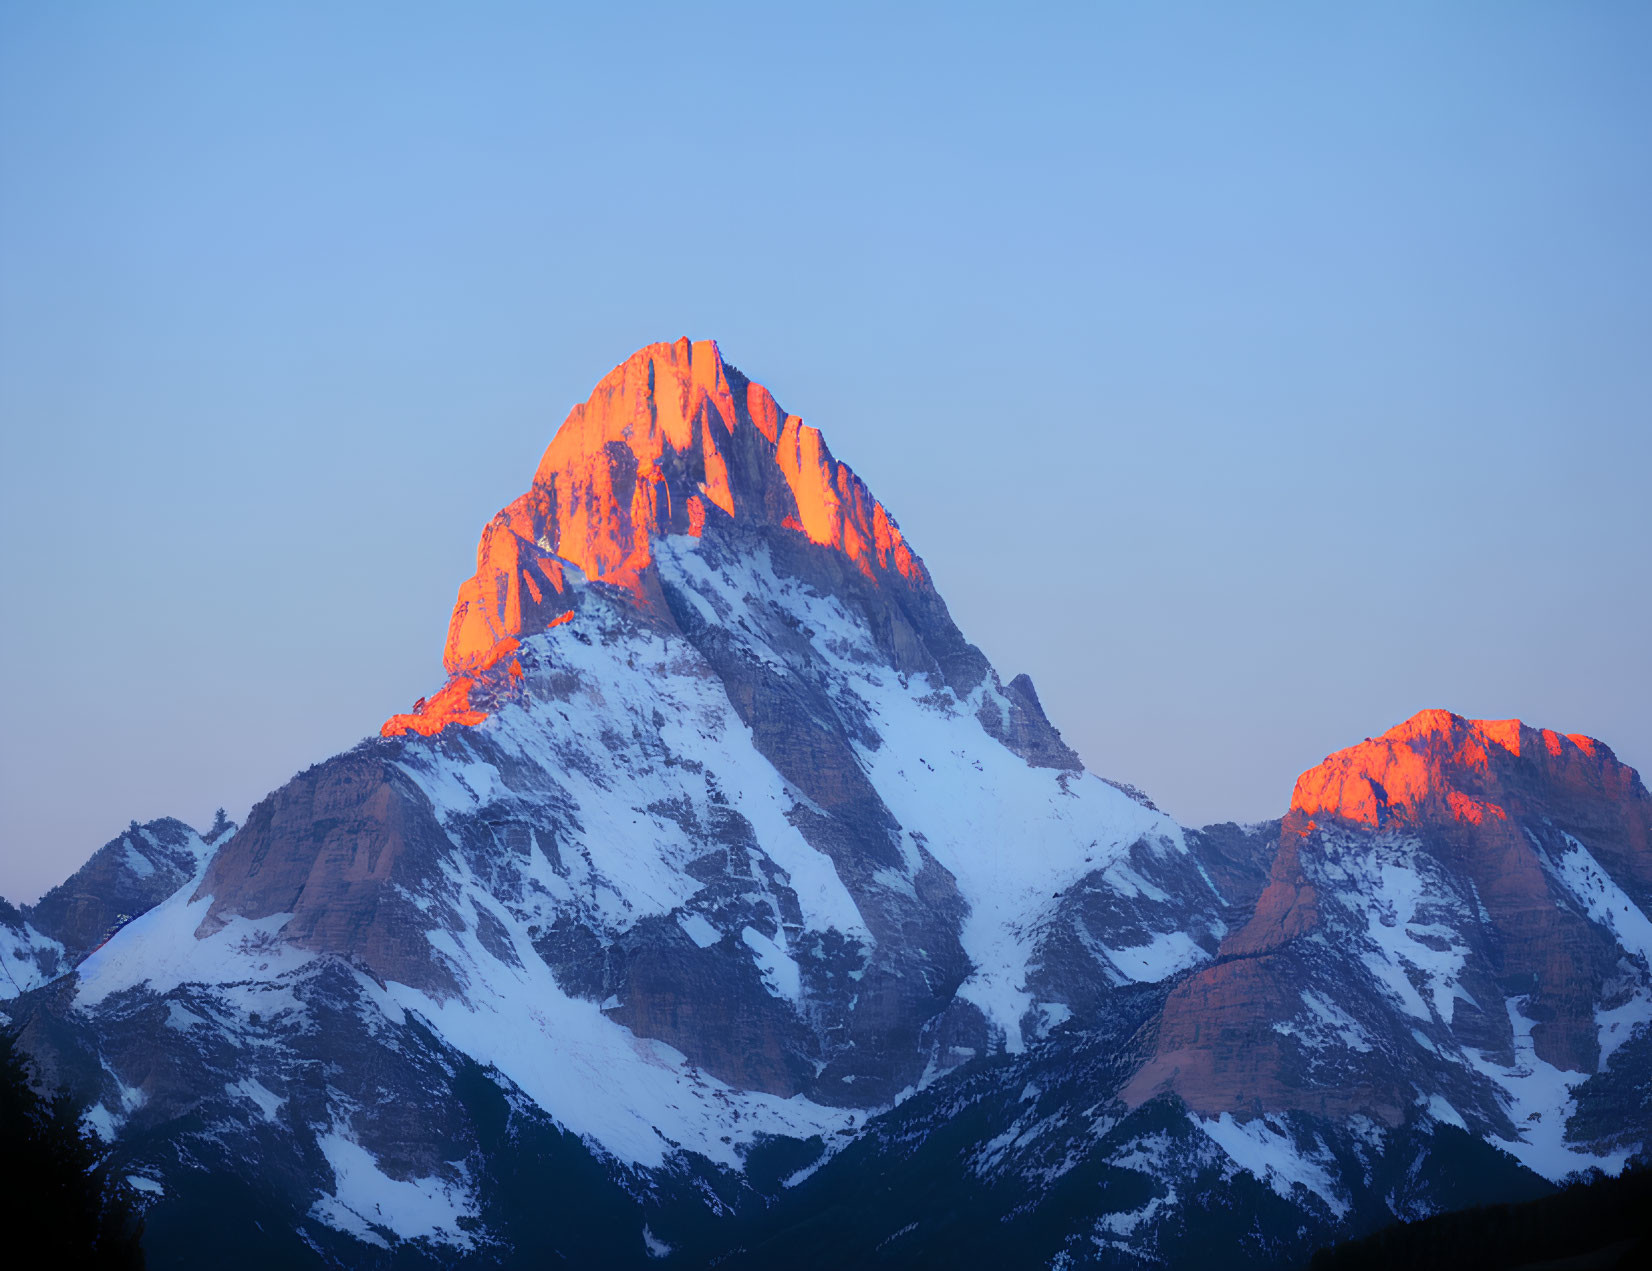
<point x="57" y="1200"/>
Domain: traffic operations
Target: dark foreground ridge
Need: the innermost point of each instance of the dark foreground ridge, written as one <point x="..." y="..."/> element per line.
<point x="1590" y="1225"/>
<point x="57" y="1198"/>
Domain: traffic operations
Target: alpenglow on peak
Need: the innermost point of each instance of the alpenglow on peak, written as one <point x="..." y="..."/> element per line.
<point x="671" y="438"/>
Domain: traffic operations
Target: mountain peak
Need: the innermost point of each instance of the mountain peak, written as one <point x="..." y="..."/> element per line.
<point x="670" y="441"/>
<point x="1447" y="852"/>
<point x="1437" y="768"/>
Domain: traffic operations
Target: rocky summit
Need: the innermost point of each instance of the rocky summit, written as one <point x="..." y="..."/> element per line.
<point x="726" y="906"/>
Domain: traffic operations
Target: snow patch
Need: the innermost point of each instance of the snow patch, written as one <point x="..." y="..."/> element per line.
<point x="1604" y="901"/>
<point x="161" y="949"/>
<point x="267" y="1101"/>
<point x="1537" y="1097"/>
<point x="1618" y="1024"/>
<point x="1402" y="904"/>
<point x="636" y="1098"/>
<point x="22" y="950"/>
<point x="181" y="1018"/>
<point x="1442" y="1111"/>
<point x="136" y="861"/>
<point x="1166" y="954"/>
<point x="656" y="1247"/>
<point x="104" y="1123"/>
<point x="364" y="1197"/>
<point x="1273" y="1157"/>
<point x="1323" y="1023"/>
<point x="780" y="972"/>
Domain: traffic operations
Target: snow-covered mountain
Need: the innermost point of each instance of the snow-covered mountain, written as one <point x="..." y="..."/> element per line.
<point x="724" y="878"/>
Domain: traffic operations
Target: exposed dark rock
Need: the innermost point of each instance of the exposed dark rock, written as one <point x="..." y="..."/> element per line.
<point x="341" y="848"/>
<point x="124" y="878"/>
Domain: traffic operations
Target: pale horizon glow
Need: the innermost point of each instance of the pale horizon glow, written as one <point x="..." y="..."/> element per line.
<point x="1253" y="380"/>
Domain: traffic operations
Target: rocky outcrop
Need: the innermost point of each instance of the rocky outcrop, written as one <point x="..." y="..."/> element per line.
<point x="1237" y="858"/>
<point x="123" y="879"/>
<point x="343" y="849"/>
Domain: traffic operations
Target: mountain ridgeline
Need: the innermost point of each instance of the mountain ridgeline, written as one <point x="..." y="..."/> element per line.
<point x="726" y="906"/>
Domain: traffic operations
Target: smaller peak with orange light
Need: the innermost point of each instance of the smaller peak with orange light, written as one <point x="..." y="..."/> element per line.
<point x="1438" y="768"/>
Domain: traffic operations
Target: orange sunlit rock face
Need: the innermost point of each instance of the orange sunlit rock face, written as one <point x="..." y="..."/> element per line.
<point x="670" y="441"/>
<point x="1470" y="790"/>
<point x="451" y="704"/>
<point x="1438" y="768"/>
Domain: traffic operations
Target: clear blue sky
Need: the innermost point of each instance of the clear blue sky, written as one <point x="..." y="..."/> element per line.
<point x="1252" y="375"/>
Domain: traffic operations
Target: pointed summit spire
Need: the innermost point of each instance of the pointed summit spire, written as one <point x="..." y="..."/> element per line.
<point x="670" y="441"/>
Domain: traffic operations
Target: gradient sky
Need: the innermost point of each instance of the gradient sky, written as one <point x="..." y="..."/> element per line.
<point x="1252" y="375"/>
